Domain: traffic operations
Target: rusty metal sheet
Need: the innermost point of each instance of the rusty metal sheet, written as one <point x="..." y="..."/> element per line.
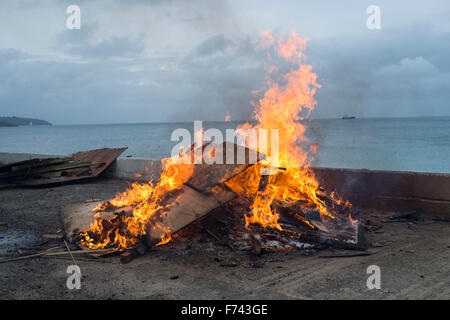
<point x="100" y="159"/>
<point x="6" y="169"/>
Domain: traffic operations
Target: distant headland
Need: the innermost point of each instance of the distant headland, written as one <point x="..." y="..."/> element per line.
<point x="16" y="121"/>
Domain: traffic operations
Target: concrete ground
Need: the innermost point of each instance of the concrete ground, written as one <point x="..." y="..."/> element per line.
<point x="413" y="259"/>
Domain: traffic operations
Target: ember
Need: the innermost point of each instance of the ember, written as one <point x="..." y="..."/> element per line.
<point x="278" y="203"/>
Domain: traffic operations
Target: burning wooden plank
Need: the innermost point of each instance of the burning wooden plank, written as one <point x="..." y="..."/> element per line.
<point x="171" y="210"/>
<point x="77" y="217"/>
<point x="187" y="206"/>
<point x="204" y="191"/>
<point x="233" y="159"/>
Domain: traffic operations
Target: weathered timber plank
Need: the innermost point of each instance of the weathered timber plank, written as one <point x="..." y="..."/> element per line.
<point x="232" y="160"/>
<point x="100" y="159"/>
<point x="189" y="206"/>
<point x="77" y="217"/>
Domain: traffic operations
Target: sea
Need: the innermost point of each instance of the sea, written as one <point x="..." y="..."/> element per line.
<point x="402" y="144"/>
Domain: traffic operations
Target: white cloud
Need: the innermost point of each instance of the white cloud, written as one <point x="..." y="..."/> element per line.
<point x="408" y="67"/>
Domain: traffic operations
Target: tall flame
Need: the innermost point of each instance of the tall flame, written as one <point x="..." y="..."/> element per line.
<point x="287" y="102"/>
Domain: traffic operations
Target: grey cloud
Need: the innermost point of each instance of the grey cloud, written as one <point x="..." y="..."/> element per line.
<point x="83" y="43"/>
<point x="224" y="72"/>
<point x="11" y="54"/>
<point x="112" y="47"/>
<point x="402" y="73"/>
<point x="217" y="43"/>
<point x="408" y="67"/>
<point x="210" y="68"/>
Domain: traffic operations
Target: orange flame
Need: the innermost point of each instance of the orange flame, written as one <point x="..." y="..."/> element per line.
<point x="287" y="102"/>
<point x="146" y="201"/>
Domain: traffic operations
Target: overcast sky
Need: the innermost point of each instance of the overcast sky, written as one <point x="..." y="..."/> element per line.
<point x="174" y="60"/>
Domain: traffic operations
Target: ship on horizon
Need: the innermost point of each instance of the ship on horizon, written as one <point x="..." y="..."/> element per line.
<point x="347" y="117"/>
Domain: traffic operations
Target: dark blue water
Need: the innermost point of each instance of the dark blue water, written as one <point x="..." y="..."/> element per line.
<point x="413" y="144"/>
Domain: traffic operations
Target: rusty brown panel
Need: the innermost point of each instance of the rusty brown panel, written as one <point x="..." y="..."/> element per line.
<point x="100" y="159"/>
<point x="30" y="164"/>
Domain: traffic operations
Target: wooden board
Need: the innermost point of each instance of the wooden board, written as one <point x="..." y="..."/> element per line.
<point x="77" y="217"/>
<point x="205" y="176"/>
<point x="100" y="159"/>
<point x="25" y="165"/>
<point x="187" y="207"/>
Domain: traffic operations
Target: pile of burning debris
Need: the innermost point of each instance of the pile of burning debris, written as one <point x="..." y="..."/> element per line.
<point x="273" y="203"/>
<point x="222" y="200"/>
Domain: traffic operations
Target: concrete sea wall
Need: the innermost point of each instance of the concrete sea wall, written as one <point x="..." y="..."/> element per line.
<point x="393" y="190"/>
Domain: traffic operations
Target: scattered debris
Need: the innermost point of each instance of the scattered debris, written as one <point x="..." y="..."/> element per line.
<point x="139" y="249"/>
<point x="128" y="256"/>
<point x="49" y="253"/>
<point x="38" y="172"/>
<point x="23" y="257"/>
<point x="256" y="242"/>
<point x="36" y="254"/>
<point x="219" y="239"/>
<point x="230" y="264"/>
<point x="71" y="255"/>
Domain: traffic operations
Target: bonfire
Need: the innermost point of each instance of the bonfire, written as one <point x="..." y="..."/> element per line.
<point x="277" y="195"/>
